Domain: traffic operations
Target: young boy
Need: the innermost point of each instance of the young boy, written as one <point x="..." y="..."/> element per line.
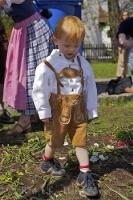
<point x="65" y="96"/>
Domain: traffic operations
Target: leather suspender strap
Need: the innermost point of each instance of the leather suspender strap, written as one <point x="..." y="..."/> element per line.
<point x="56" y="75"/>
<point x="82" y="77"/>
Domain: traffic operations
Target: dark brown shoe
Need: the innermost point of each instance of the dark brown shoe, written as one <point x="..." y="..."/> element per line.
<point x="19" y="129"/>
<point x="22" y="126"/>
<point x="6" y="118"/>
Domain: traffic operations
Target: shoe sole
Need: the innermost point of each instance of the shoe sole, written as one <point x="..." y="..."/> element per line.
<point x="82" y="193"/>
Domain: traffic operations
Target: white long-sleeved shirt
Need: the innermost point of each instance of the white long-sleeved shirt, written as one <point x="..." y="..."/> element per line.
<point x="45" y="83"/>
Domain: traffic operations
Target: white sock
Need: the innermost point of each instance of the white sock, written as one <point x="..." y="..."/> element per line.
<point x="83" y="158"/>
<point x="49" y="153"/>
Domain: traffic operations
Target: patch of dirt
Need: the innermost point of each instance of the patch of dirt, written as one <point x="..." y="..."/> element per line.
<point x="114" y="177"/>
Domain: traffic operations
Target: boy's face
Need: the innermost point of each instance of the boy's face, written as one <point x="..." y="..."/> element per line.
<point x="69" y="49"/>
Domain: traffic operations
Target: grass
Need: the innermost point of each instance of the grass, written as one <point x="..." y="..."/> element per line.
<point x="112" y="117"/>
<point x="104" y="70"/>
<point x="21" y="156"/>
<point x="8" y="24"/>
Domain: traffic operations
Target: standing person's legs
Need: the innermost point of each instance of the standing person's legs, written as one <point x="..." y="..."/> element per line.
<point x="54" y="134"/>
<point x="85" y="178"/>
<point x="50" y="165"/>
<point x="78" y="135"/>
<point x="122" y="65"/>
<point x="55" y="140"/>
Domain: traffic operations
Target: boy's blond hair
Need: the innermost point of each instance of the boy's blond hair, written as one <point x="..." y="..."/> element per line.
<point x="70" y="27"/>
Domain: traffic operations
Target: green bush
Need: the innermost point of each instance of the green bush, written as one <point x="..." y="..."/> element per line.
<point x="8" y="23"/>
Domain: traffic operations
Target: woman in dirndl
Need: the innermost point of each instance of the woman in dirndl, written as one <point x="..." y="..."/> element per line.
<point x="30" y="42"/>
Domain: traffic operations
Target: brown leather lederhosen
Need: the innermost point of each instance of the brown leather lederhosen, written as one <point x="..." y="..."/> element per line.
<point x="68" y="112"/>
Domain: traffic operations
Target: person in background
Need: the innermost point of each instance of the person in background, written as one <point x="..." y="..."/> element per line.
<point x="5" y="116"/>
<point x="122" y="64"/>
<point x="65" y="96"/>
<point x="124" y="15"/>
<point x="125" y="39"/>
<point x="30" y="42"/>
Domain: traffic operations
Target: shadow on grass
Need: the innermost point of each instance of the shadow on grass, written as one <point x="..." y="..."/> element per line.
<point x="54" y="188"/>
<point x="57" y="187"/>
<point x="120" y="159"/>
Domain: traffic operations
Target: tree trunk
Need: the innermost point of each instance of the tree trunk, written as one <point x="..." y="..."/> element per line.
<point x="90" y="15"/>
<point x="114" y="12"/>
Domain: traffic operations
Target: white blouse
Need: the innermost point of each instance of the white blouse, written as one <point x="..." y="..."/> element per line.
<point x="45" y="83"/>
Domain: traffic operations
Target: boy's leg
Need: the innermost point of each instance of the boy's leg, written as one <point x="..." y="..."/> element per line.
<point x="54" y="136"/>
<point x="49" y="164"/>
<point x="85" y="178"/>
<point x="78" y="136"/>
<point x="83" y="158"/>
